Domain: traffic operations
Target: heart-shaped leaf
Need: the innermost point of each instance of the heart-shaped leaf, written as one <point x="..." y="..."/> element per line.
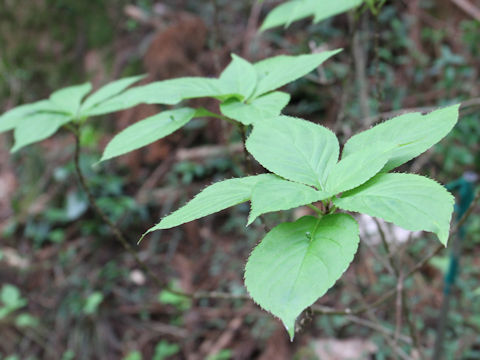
<point x="296" y="263"/>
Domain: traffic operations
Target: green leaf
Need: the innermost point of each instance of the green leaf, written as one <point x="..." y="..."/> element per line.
<point x="414" y="133"/>
<point x="189" y="88"/>
<point x="154" y="93"/>
<point x="167" y="92"/>
<point x="133" y="355"/>
<point x="238" y="80"/>
<point x="239" y="77"/>
<point x="147" y="131"/>
<point x="259" y="109"/>
<point x="291" y="11"/>
<point x="26" y="320"/>
<point x="212" y="199"/>
<point x="164" y="349"/>
<point x="355" y="169"/>
<point x="334" y="7"/>
<point x="295" y="149"/>
<point x="168" y="297"/>
<point x="70" y="98"/>
<point x="275" y="194"/>
<point x="109" y="90"/>
<point x="92" y="303"/>
<point x="11" y="118"/>
<point x="37" y="127"/>
<point x="410" y="201"/>
<point x="10" y="296"/>
<point x="280" y="70"/>
<point x="296" y="263"/>
<point x="10" y="300"/>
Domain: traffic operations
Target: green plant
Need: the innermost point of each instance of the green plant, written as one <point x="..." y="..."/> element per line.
<point x="224" y="354"/>
<point x="10" y="300"/>
<point x="246" y="93"/>
<point x="296" y="263"/>
<point x="294" y="10"/>
<point x="164" y="350"/>
<point x="172" y="297"/>
<point x="92" y="303"/>
<point x="133" y="355"/>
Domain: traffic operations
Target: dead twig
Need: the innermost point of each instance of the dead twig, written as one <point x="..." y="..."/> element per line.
<point x="251" y="30"/>
<point x="468" y="8"/>
<point x="203" y="152"/>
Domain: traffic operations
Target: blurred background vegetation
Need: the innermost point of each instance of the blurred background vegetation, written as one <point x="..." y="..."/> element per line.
<point x="69" y="291"/>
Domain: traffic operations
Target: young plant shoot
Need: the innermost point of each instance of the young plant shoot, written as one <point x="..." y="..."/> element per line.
<point x="296" y="262"/>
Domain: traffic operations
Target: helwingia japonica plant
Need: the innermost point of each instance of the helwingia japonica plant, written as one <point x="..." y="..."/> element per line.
<point x="246" y="92"/>
<point x="297" y="262"/>
<point x="290" y="11"/>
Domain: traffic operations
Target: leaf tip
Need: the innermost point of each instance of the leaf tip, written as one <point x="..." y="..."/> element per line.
<point x="290" y="329"/>
<point x="265" y="26"/>
<point x="154" y="228"/>
<point x="251" y="218"/>
<point x="15" y="148"/>
<point x="336" y="51"/>
<point x="142" y="237"/>
<point x="97" y="163"/>
<point x="443" y="238"/>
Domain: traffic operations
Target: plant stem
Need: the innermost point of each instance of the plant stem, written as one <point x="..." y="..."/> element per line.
<point x="316" y="209"/>
<point x="248" y="160"/>
<point x="411" y="326"/>
<point x="119" y="236"/>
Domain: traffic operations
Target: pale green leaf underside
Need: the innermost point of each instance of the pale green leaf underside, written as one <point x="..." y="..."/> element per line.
<point x="147" y="131"/>
<point x="239" y="80"/>
<point x="11" y="118"/>
<point x="414" y="133"/>
<point x="259" y="109"/>
<point x="108" y="91"/>
<point x="296" y="263"/>
<point x="212" y="199"/>
<point x="69" y="98"/>
<point x="168" y="92"/>
<point x="410" y="201"/>
<point x="37" y="127"/>
<point x="278" y="71"/>
<point x="291" y="11"/>
<point x="276" y="194"/>
<point x="303" y="152"/>
<point x="239" y="77"/>
<point x="357" y="168"/>
<point x="334" y="7"/>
